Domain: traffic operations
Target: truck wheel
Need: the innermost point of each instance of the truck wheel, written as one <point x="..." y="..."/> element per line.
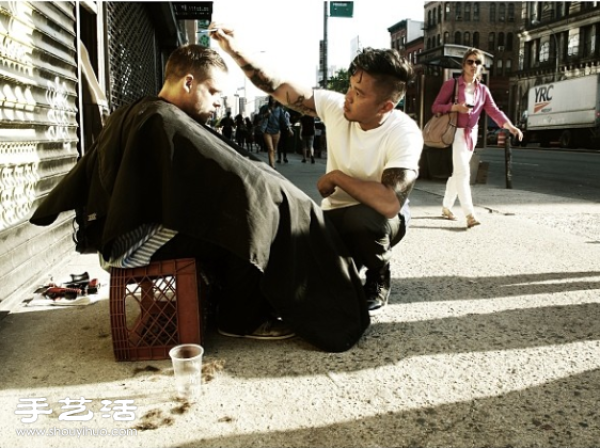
<point x="567" y="139"/>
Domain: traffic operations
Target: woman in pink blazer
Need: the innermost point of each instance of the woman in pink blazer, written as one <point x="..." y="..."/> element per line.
<point x="473" y="98"/>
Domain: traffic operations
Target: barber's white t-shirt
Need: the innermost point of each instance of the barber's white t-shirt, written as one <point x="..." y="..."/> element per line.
<point x="397" y="143"/>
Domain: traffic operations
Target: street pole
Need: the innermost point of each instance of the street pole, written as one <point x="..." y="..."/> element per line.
<point x="507" y="159"/>
<point x="324" y="45"/>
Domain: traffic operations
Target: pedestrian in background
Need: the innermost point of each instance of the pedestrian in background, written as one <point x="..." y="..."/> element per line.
<point x="249" y="133"/>
<point x="257" y="125"/>
<point x="226" y="125"/>
<point x="285" y="137"/>
<point x="307" y="123"/>
<point x="473" y="98"/>
<point x="274" y="121"/>
<point x="240" y="130"/>
<point x="320" y="144"/>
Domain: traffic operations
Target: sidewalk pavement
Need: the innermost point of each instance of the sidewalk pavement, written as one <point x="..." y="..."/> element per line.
<point x="491" y="339"/>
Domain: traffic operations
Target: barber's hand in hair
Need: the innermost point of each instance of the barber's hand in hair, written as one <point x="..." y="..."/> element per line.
<point x="224" y="35"/>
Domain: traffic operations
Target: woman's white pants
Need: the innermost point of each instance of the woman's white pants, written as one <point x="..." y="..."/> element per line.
<point x="458" y="185"/>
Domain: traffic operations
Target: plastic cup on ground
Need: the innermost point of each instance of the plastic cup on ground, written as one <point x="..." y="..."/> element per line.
<point x="187" y="367"/>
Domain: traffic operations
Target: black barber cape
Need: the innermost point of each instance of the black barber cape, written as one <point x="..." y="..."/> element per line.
<point x="152" y="163"/>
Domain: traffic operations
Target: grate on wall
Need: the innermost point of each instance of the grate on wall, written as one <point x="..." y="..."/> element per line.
<point x="133" y="66"/>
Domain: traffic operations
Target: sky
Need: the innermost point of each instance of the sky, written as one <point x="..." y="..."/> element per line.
<point x="289" y="31"/>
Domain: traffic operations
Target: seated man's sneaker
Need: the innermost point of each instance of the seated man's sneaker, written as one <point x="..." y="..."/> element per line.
<point x="377" y="289"/>
<point x="270" y="330"/>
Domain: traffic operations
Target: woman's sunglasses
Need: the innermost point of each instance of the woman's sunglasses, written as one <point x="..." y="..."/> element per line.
<point x="471" y="62"/>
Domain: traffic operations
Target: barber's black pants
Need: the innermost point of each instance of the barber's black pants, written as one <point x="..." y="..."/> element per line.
<point x="368" y="235"/>
<point x="241" y="305"/>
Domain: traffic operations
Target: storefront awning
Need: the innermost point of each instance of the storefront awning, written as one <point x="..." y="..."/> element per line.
<point x="449" y="56"/>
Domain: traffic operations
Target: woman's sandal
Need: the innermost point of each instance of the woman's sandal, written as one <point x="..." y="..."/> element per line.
<point x="447" y="214"/>
<point x="472" y="221"/>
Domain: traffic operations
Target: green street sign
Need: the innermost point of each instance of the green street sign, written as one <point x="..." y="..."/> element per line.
<point x="204" y="40"/>
<point x="341" y="9"/>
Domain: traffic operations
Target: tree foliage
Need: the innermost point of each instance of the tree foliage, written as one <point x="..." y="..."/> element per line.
<point x="340" y="81"/>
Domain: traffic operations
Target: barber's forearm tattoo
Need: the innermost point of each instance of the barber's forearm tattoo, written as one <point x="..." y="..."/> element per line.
<point x="298" y="105"/>
<point x="258" y="77"/>
<point x="401" y="180"/>
<point x="268" y="84"/>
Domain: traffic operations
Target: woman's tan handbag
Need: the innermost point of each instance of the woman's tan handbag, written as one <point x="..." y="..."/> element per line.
<point x="440" y="129"/>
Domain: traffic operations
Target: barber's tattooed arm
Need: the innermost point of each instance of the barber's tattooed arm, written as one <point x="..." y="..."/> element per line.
<point x="386" y="196"/>
<point x="300" y="104"/>
<point x="274" y="86"/>
<point x="287" y="92"/>
<point x="401" y="180"/>
<point x="258" y="77"/>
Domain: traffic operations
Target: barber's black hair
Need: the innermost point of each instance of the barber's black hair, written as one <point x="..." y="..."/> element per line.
<point x="387" y="66"/>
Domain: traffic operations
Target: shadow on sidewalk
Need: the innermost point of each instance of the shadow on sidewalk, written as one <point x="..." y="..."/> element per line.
<point x="509" y="419"/>
<point x="74" y="346"/>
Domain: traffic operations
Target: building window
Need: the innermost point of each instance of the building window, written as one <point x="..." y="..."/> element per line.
<point x="446" y="37"/>
<point x="476" y="12"/>
<point x="526" y="62"/>
<point x="476" y="39"/>
<point x="534" y="54"/>
<point x="502" y="12"/>
<point x="492" y="42"/>
<point x="439" y="12"/>
<point x="467" y="39"/>
<point x="508" y="66"/>
<point x="560" y="10"/>
<point x="439" y="39"/>
<point x="573" y="45"/>
<point x="457" y="37"/>
<point x="458" y="12"/>
<point x="467" y="14"/>
<point x="447" y="11"/>
<point x="500" y="39"/>
<point x="511" y="13"/>
<point x="429" y="20"/>
<point x="509" y="41"/>
<point x="499" y="71"/>
<point x="492" y="12"/>
<point x="589" y="40"/>
<point x="545" y="49"/>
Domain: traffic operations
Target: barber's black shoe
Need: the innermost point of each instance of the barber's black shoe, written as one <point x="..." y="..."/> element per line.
<point x="377" y="289"/>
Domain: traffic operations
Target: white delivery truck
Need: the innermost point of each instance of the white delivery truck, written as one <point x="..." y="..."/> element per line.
<point x="567" y="112"/>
